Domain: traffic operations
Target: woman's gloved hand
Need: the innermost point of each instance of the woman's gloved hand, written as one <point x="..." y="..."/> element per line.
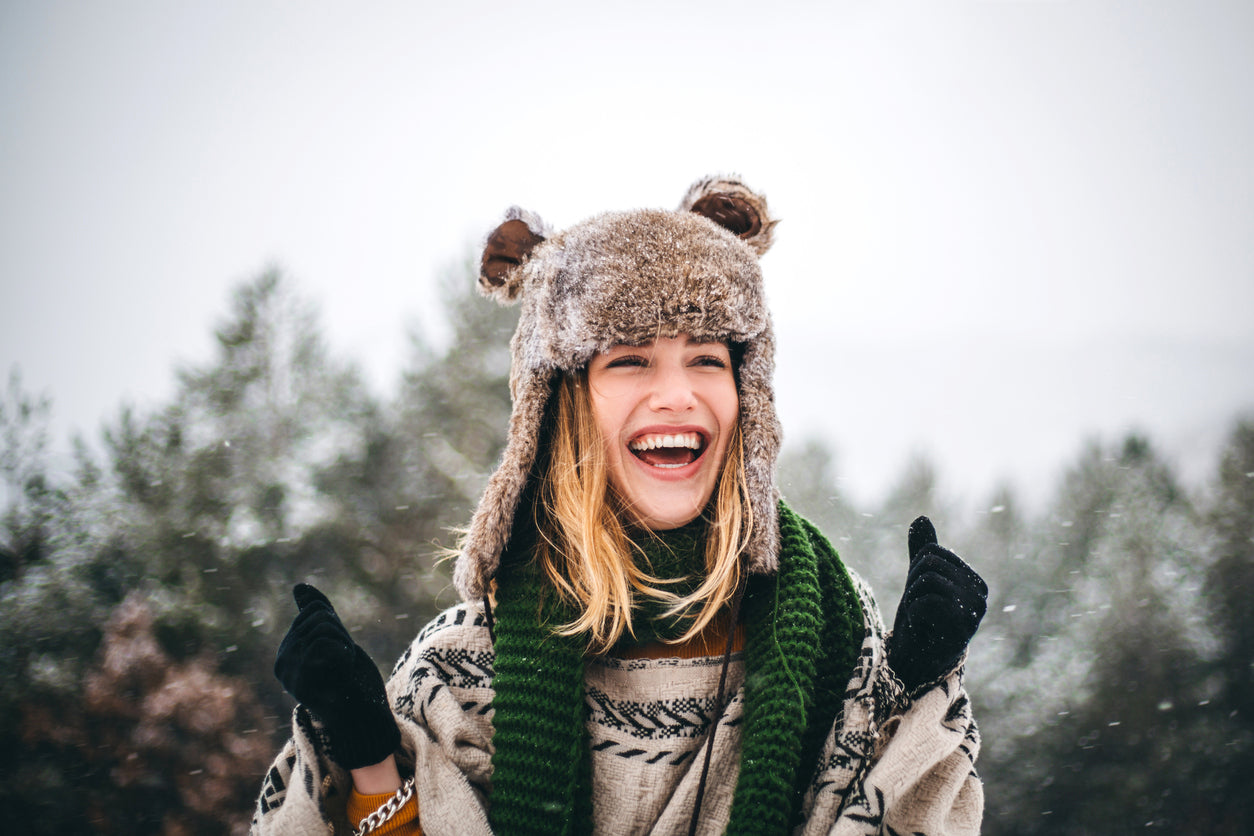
<point x="320" y="665"/>
<point x="939" y="611"/>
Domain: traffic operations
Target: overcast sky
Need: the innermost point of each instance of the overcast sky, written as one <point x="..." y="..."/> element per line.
<point x="1007" y="226"/>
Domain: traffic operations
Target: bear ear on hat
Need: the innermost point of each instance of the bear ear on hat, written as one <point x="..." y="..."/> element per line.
<point x="734" y="206"/>
<point x="507" y="249"/>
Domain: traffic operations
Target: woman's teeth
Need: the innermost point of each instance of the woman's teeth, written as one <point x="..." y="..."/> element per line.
<point x="651" y="442"/>
<point x="667" y="451"/>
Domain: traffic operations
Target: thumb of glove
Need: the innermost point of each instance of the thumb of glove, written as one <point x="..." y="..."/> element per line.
<point x="922" y="534"/>
<point x="306" y="594"/>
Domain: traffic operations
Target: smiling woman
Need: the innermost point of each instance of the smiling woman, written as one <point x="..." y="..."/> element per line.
<point x="641" y="438"/>
<point x="665" y="412"/>
<point x="650" y="641"/>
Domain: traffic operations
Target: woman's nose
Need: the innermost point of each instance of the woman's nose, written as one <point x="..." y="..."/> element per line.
<point x="671" y="390"/>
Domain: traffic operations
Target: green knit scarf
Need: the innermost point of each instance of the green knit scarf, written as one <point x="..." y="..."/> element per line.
<point x="804" y="629"/>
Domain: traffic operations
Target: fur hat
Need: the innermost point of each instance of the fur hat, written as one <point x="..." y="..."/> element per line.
<point x="630" y="277"/>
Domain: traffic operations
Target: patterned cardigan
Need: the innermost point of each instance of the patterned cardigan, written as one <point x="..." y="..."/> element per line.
<point x="889" y="765"/>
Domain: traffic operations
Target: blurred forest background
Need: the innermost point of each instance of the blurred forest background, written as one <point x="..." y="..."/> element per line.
<point x="143" y="594"/>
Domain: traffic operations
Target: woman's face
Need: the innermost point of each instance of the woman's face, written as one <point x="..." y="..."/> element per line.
<point x="666" y="411"/>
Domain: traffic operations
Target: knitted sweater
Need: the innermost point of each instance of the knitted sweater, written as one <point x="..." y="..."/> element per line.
<point x="886" y="765"/>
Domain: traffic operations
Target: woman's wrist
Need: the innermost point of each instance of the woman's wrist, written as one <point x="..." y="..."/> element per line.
<point x="377" y="778"/>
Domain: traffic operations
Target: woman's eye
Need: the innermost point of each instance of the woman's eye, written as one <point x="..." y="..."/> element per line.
<point x="627" y="361"/>
<point x="711" y="361"/>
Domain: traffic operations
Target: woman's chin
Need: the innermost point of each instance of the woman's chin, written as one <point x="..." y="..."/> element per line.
<point x="662" y="513"/>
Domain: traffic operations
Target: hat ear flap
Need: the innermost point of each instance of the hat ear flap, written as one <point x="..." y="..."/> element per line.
<point x="735" y="207"/>
<point x="507" y="249"/>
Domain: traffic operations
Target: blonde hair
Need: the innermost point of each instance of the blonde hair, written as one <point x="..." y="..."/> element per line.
<point x="584" y="547"/>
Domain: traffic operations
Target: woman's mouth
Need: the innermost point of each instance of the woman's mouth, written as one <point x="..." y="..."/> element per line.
<point x="668" y="450"/>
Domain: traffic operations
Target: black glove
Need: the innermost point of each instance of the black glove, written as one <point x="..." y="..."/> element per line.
<point x="939" y="611"/>
<point x="320" y="665"/>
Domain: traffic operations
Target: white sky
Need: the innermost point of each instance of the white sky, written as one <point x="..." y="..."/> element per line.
<point x="1007" y="226"/>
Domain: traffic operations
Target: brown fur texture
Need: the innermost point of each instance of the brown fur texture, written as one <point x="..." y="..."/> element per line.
<point x="630" y="277"/>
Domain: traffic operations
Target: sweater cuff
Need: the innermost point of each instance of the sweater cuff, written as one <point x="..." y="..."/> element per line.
<point x="404" y="823"/>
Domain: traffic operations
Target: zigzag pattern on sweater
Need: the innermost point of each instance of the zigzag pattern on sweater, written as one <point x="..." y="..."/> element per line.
<point x="661" y="719"/>
<point x="455" y="667"/>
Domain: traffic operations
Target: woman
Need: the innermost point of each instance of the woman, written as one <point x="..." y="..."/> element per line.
<point x="650" y="641"/>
